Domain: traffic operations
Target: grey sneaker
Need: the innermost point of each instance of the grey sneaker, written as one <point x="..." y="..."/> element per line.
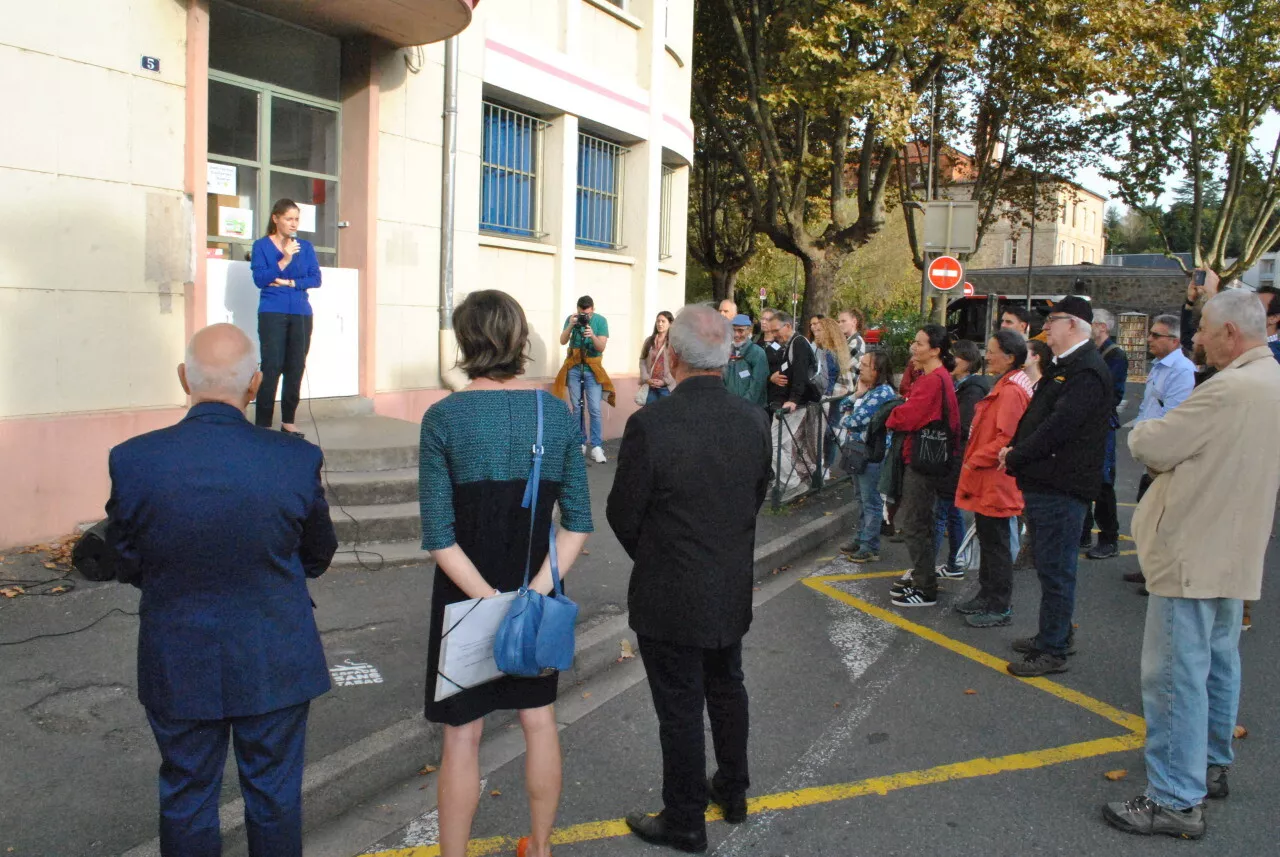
<point x="851" y="547"/>
<point x="1027" y="645"/>
<point x="865" y="555"/>
<point x="989" y="619"/>
<point x="1036" y="664"/>
<point x="1145" y="817"/>
<point x="1215" y="780"/>
<point x="973" y="605"/>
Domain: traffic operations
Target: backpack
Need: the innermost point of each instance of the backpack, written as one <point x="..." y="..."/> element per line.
<point x="877" y="431"/>
<point x="817" y="380"/>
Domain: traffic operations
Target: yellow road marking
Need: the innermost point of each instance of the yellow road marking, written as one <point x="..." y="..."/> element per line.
<point x="1133" y="739"/>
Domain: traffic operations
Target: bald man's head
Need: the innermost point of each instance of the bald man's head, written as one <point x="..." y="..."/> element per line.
<point x="221" y="366"/>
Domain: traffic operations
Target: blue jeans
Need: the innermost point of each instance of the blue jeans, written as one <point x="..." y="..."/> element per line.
<point x="872" y="507"/>
<point x="948" y="522"/>
<point x="656" y="393"/>
<point x="1056" y="519"/>
<point x="1190" y="693"/>
<point x="577" y="376"/>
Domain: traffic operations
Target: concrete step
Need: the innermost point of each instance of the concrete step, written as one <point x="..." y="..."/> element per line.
<point x="379" y="555"/>
<point x="355" y="444"/>
<point x="372" y="487"/>
<point x="392" y="522"/>
<point x="327" y="409"/>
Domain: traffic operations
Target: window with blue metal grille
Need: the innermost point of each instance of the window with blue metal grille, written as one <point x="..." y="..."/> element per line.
<point x="510" y="185"/>
<point x="599" y="215"/>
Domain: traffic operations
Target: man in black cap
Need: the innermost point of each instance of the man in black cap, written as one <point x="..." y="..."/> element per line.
<point x="1056" y="456"/>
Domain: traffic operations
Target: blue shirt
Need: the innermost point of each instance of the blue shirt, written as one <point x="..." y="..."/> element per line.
<point x="859" y="411"/>
<point x="1169" y="381"/>
<point x="304" y="270"/>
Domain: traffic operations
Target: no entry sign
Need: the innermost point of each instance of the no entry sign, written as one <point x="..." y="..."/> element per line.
<point x="968" y="290"/>
<point x="945" y="273"/>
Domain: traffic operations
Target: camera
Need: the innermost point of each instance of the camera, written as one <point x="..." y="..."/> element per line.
<point x="582" y="320"/>
<point x="1198" y="277"/>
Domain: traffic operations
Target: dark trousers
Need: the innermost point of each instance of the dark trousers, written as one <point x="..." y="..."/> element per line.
<point x="1104" y="507"/>
<point x="283" y="341"/>
<point x="269" y="751"/>
<point x="1056" y="519"/>
<point x="916" y="518"/>
<point x="1143" y="484"/>
<point x="995" y="573"/>
<point x="683" y="679"/>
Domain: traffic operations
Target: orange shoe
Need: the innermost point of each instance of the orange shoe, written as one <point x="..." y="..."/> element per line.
<point x="522" y="847"/>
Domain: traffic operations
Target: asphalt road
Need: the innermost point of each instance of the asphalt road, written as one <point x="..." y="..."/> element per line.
<point x="880" y="731"/>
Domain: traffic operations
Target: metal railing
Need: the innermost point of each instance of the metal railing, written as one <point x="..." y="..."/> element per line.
<point x="600" y="183"/>
<point x="511" y="172"/>
<point x="806" y="451"/>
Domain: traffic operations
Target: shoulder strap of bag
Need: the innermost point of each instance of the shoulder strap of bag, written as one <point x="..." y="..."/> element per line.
<point x="530" y="502"/>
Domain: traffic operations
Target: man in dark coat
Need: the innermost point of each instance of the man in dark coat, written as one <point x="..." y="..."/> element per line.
<point x="1104" y="506"/>
<point x="1057" y="456"/>
<point x="220" y="524"/>
<point x="693" y="471"/>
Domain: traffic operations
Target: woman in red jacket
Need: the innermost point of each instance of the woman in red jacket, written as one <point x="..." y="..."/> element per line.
<point x="932" y="395"/>
<point x="985" y="488"/>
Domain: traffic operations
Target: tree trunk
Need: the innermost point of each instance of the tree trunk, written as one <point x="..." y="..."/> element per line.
<point x="723" y="282"/>
<point x="819" y="285"/>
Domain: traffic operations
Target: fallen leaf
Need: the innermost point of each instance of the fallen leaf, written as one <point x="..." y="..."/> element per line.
<point x="1240" y="732"/>
<point x="755" y="589"/>
<point x="52" y="565"/>
<point x="970" y="692"/>
<point x="58" y="590"/>
<point x="495" y="793"/>
<point x="627" y="651"/>
<point x="427" y="769"/>
<point x="1118" y="774"/>
<point x="586" y="695"/>
<point x="585" y="552"/>
<point x="828" y="514"/>
<point x="1077" y="627"/>
<point x="11" y="591"/>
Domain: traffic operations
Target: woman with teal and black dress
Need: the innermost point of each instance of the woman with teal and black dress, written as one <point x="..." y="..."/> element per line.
<point x="470" y="486"/>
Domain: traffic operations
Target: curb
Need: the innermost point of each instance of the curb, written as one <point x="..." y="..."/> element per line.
<point x="373" y="764"/>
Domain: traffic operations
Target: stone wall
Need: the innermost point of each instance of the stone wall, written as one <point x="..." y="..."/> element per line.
<point x="1145" y="290"/>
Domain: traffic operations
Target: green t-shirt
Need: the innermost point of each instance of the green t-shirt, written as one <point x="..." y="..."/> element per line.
<point x="578" y="339"/>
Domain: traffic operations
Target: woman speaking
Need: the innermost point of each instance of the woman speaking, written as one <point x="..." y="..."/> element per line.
<point x="284" y="267"/>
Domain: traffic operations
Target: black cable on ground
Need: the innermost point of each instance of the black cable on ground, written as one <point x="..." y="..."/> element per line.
<point x="69" y="633"/>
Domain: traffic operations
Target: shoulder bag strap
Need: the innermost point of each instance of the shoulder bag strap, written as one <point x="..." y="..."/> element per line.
<point x="530" y="502"/>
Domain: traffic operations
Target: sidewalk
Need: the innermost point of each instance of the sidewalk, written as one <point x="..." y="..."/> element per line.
<point x="79" y="762"/>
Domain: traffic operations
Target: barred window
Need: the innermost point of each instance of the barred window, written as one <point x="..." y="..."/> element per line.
<point x="510" y="183"/>
<point x="664" y="224"/>
<point x="600" y="165"/>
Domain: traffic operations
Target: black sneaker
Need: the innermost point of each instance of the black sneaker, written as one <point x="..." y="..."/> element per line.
<point x="1215" y="780"/>
<point x="972" y="606"/>
<point x="1027" y="645"/>
<point x="1145" y="817"/>
<point x="901" y="585"/>
<point x="946" y="572"/>
<point x="1086" y="542"/>
<point x="913" y="597"/>
<point x="1104" y="550"/>
<point x="1134" y="577"/>
<point x="1038" y="663"/>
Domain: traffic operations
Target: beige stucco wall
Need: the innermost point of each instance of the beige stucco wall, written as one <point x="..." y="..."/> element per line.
<point x="1057" y="243"/>
<point x="97" y="236"/>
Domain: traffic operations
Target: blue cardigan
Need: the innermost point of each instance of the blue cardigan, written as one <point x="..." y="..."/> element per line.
<point x="304" y="270"/>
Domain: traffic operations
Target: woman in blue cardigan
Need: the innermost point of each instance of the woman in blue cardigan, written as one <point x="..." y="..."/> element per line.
<point x="284" y="267"/>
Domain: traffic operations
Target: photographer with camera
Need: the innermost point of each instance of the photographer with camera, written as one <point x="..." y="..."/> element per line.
<point x="582" y="375"/>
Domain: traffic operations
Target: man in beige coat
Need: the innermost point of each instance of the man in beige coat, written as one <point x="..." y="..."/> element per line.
<point x="1201" y="531"/>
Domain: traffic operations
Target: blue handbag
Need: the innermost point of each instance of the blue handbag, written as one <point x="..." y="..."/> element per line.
<point x="536" y="637"/>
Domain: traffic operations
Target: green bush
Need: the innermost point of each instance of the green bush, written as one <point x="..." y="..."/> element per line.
<point x="897" y="328"/>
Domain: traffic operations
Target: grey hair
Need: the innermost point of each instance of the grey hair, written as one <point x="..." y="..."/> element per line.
<point x="1081" y="326"/>
<point x="1243" y="309"/>
<point x="702" y="338"/>
<point x="1172" y="322"/>
<point x="221" y="381"/>
<point x="784" y="318"/>
<point x="1102" y="316"/>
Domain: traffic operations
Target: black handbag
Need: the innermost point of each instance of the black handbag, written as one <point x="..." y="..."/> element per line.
<point x="853" y="456"/>
<point x="933" y="447"/>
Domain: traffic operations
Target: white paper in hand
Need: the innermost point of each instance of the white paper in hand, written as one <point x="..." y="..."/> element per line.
<point x="466" y="644"/>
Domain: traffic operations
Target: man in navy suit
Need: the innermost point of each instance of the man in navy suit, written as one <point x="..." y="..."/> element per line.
<point x="220" y="524"/>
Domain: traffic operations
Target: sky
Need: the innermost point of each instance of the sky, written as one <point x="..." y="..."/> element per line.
<point x="1092" y="180"/>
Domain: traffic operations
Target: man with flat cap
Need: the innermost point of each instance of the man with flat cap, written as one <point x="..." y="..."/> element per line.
<point x="747" y="373"/>
<point x="1056" y="456"/>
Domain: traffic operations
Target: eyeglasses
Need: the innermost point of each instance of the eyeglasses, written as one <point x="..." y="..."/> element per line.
<point x="1051" y="319"/>
<point x="1154" y="335"/>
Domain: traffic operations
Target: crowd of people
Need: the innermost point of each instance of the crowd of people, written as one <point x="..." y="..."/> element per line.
<point x="1014" y="429"/>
